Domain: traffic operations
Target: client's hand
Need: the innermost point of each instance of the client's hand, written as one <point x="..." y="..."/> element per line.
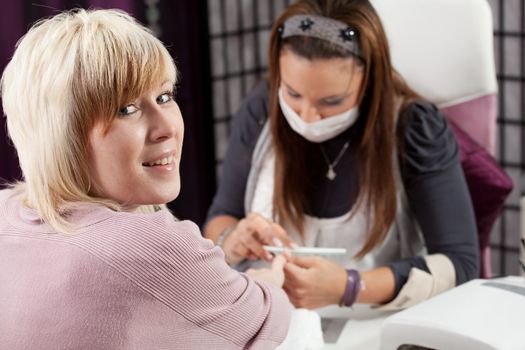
<point x="274" y="276"/>
<point x="248" y="237"/>
<point x="312" y="282"/>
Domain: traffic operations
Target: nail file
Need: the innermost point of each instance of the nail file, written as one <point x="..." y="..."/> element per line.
<point x="306" y="250"/>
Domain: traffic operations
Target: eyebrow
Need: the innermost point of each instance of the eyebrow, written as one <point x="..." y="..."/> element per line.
<point x="342" y="95"/>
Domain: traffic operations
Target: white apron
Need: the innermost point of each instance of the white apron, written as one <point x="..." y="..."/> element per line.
<point x="404" y="238"/>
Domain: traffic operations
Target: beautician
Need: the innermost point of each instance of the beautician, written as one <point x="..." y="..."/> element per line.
<point x="335" y="150"/>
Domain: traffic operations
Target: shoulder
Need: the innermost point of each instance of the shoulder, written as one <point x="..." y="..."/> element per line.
<point x="151" y="237"/>
<point x="5" y="194"/>
<point x="6" y="208"/>
<point x="253" y="112"/>
<point x="257" y="100"/>
<point x="426" y="141"/>
<point x="421" y="119"/>
<point x="160" y="226"/>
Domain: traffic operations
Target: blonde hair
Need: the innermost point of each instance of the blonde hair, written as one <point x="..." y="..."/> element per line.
<point x="68" y="73"/>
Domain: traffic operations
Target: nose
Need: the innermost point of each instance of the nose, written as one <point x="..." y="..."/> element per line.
<point x="309" y="113"/>
<point x="165" y="123"/>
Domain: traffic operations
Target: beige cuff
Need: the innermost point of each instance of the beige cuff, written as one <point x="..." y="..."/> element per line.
<point x="422" y="285"/>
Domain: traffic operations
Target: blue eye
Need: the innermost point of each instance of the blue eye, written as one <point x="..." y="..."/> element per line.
<point x="127" y="110"/>
<point x="165" y="97"/>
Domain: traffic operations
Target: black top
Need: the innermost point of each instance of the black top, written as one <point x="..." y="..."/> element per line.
<point x="430" y="170"/>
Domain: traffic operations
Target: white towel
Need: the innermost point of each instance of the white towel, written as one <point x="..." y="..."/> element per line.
<point x="305" y="331"/>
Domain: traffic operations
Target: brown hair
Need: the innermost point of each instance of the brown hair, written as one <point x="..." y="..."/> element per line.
<point x="381" y="88"/>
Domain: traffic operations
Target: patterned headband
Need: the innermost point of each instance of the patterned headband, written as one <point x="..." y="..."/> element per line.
<point x="324" y="28"/>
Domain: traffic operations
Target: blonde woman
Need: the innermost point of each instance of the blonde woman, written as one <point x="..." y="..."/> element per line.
<point x="88" y="258"/>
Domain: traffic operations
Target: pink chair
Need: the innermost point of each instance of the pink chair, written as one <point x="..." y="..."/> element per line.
<point x="444" y="50"/>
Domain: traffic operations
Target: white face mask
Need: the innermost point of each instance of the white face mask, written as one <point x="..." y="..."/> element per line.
<point x="321" y="130"/>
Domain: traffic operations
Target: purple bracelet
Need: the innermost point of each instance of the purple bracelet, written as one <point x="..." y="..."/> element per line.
<point x="353" y="287"/>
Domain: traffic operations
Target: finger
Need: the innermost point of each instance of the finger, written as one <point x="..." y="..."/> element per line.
<point x="278" y="263"/>
<point x="257" y="223"/>
<point x="274" y="234"/>
<point x="290" y="291"/>
<point x="294" y="295"/>
<point x="293" y="273"/>
<point x="281" y="236"/>
<point x="305" y="261"/>
<point x="252" y="256"/>
<point x="287" y="254"/>
<point x="270" y="232"/>
<point x="255" y="247"/>
<point x="240" y="250"/>
<point x="269" y="236"/>
<point x="277" y="242"/>
<point x="243" y="228"/>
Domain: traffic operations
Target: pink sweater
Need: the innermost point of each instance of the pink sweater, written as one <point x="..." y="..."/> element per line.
<point x="126" y="281"/>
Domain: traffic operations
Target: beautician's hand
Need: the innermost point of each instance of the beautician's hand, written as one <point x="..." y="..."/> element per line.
<point x="249" y="236"/>
<point x="275" y="275"/>
<point x="313" y="282"/>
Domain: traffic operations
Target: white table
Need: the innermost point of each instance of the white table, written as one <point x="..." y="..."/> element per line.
<point x="479" y="314"/>
<point x="352" y="329"/>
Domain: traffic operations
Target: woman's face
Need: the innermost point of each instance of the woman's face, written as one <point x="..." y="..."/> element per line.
<point x="136" y="162"/>
<point x="319" y="88"/>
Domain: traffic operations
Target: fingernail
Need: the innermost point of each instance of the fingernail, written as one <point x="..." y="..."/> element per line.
<point x="277" y="242"/>
<point x="294" y="245"/>
<point x="269" y="257"/>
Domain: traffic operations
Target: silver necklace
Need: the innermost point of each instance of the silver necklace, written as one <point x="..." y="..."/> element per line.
<point x="331" y="174"/>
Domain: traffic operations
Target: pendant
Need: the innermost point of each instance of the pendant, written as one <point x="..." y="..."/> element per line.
<point x="330" y="174"/>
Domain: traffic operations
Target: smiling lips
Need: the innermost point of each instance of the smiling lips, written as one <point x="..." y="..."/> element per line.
<point x="163" y="161"/>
